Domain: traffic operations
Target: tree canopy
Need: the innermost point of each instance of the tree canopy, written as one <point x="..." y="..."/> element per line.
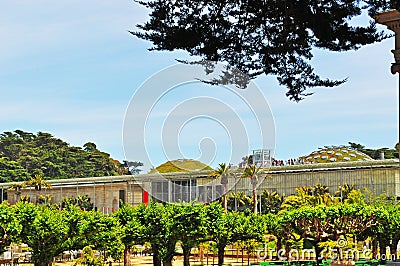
<point x="24" y="155"/>
<point x="254" y="37"/>
<point x="376" y="153"/>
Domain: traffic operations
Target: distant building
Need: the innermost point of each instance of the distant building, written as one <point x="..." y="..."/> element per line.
<point x="106" y="193"/>
<point x="262" y="157"/>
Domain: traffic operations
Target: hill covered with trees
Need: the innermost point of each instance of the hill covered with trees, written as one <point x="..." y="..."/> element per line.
<point x="24" y="154"/>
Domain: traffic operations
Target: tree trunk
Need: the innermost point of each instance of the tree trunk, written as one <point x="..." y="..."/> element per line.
<point x="382" y="249"/>
<point x="186" y="255"/>
<point x="127" y="257"/>
<point x="374" y="245"/>
<point x="278" y="245"/>
<point x="393" y="246"/>
<point x="42" y="263"/>
<point x="287" y="251"/>
<point x="221" y="255"/>
<point x="201" y="254"/>
<point x="317" y="253"/>
<point x="156" y="259"/>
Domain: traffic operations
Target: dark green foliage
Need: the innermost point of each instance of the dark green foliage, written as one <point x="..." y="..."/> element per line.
<point x="24" y="155"/>
<point x="12" y="171"/>
<point x="270" y="202"/>
<point x="376" y="153"/>
<point x="254" y="37"/>
<point x="10" y="227"/>
<point x="45" y="231"/>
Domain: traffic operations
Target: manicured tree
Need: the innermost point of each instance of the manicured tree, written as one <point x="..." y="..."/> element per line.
<point x="190" y="226"/>
<point x="394" y="218"/>
<point x="73" y="216"/>
<point x="249" y="228"/>
<point x="220" y="228"/>
<point x="156" y="221"/>
<point x="10" y="228"/>
<point x="387" y="230"/>
<point x="102" y="232"/>
<point x="45" y="231"/>
<point x="273" y="226"/>
<point x="223" y="172"/>
<point x="323" y="223"/>
<point x="132" y="230"/>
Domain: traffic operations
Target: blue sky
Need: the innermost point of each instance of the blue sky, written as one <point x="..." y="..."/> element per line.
<point x="71" y="68"/>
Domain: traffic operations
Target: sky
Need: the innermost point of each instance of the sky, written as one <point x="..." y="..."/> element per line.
<point x="71" y="68"/>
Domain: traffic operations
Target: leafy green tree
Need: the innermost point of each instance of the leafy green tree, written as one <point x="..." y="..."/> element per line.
<point x="190" y="226"/>
<point x="388" y="233"/>
<point x="132" y="230"/>
<point x="102" y="232"/>
<point x="223" y="172"/>
<point x="23" y="155"/>
<point x="158" y="229"/>
<point x="12" y="171"/>
<point x="376" y="153"/>
<point x="261" y="37"/>
<point x="322" y="223"/>
<point x="228" y="227"/>
<point x="44" y="230"/>
<point x="10" y="227"/>
<point x="73" y="216"/>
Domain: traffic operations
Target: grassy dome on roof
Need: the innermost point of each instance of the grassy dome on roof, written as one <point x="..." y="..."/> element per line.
<point x="335" y="154"/>
<point x="181" y="165"/>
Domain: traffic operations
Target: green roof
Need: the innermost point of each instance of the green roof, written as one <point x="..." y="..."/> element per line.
<point x="335" y="154"/>
<point x="182" y="165"/>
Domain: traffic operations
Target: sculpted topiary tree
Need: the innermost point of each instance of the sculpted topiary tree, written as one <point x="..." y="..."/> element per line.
<point x="44" y="230"/>
<point x="323" y="223"/>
